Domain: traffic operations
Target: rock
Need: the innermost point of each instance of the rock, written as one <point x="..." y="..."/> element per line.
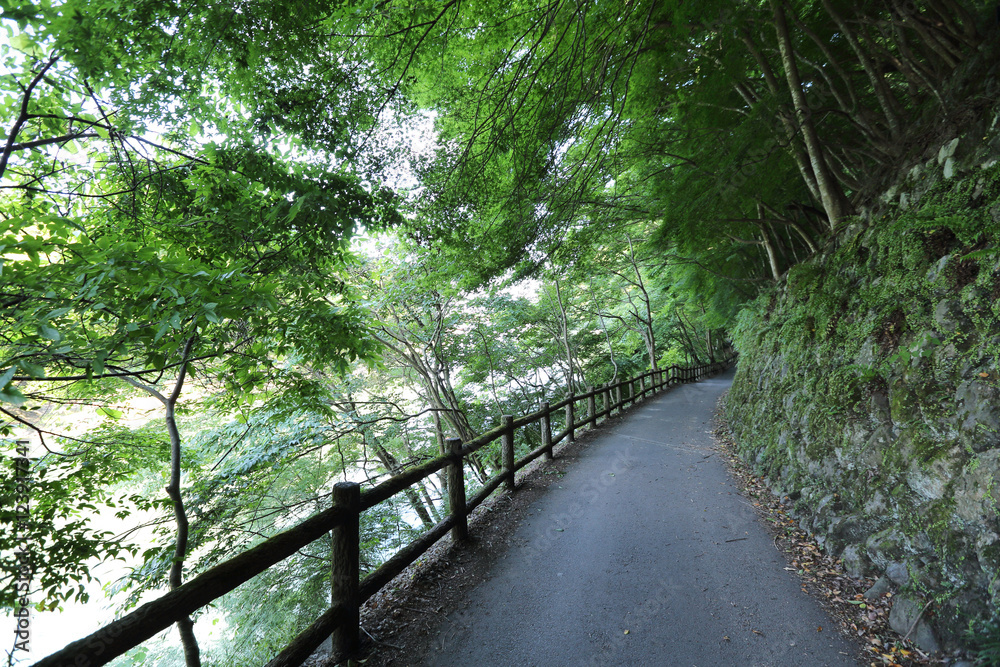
<point x="846" y="529"/>
<point x="876" y="505"/>
<point x="947" y="151"/>
<point x="978" y="192"/>
<point x="906" y="618"/>
<point x="913" y="456"/>
<point x="972" y="496"/>
<point x="950" y="317"/>
<point x="882" y="411"/>
<point x="898" y="573"/>
<point x="854" y="563"/>
<point x="882" y="586"/>
<point x="885" y="547"/>
<point x="979" y="407"/>
<point x="926" y="484"/>
<point x="936" y="273"/>
<point x="827" y="505"/>
<point x="881" y="437"/>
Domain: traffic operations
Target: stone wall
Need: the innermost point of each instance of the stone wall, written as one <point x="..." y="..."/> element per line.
<point x="868" y="388"/>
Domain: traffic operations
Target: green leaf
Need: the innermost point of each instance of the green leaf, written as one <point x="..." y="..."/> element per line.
<point x="34" y="370"/>
<point x="13" y="396"/>
<point x="49" y="333"/>
<point x="109" y="412"/>
<point x="98" y="363"/>
<point x="58" y="312"/>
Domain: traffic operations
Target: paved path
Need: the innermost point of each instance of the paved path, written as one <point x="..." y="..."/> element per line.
<point x="643" y="554"/>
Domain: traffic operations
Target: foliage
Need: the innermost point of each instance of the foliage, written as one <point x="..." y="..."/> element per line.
<point x="985" y="640"/>
<point x="133" y="255"/>
<point x="65" y="495"/>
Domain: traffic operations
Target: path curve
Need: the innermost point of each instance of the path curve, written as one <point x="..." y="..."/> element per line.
<point x="643" y="554"/>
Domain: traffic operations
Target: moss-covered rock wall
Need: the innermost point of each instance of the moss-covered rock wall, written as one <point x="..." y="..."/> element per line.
<point x="868" y="388"/>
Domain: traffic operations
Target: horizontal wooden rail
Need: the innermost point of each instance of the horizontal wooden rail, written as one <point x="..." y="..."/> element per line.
<point x="394" y="485"/>
<point x="306" y="643"/>
<point x="136" y="627"/>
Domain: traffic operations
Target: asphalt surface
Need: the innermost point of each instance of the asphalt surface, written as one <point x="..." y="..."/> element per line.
<point x="643" y="554"/>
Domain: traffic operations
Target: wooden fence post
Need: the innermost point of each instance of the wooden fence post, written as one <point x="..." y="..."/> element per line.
<point x="607" y="401"/>
<point x="546" y="431"/>
<point x="571" y="434"/>
<point x="345" y="567"/>
<point x="592" y="410"/>
<point x="456" y="490"/>
<point x="508" y="451"/>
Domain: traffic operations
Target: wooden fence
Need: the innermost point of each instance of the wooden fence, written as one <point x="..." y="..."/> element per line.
<point x="341" y="521"/>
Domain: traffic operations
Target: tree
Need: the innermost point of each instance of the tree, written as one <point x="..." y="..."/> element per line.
<point x="146" y="262"/>
<point x="739" y="128"/>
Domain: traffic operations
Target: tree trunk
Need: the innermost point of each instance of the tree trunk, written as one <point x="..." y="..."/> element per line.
<point x="611" y="351"/>
<point x="886" y="99"/>
<point x="442" y="450"/>
<point x="834" y="202"/>
<point x="564" y="323"/>
<point x="391" y="464"/>
<point x="648" y="336"/>
<point x="791" y="131"/>
<point x="185" y="626"/>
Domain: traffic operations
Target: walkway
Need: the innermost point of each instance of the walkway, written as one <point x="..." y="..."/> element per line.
<point x="645" y="554"/>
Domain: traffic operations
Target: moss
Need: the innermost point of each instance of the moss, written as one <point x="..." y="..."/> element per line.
<point x="860" y="323"/>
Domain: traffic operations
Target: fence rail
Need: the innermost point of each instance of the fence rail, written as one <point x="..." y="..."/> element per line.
<point x="342" y="522"/>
